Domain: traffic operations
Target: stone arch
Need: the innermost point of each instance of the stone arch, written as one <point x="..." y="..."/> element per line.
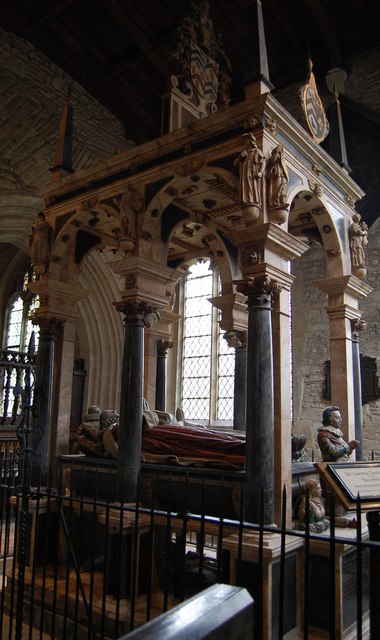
<point x="313" y="217"/>
<point x="18" y="210"/>
<point x="100" y="332"/>
<point x="186" y="206"/>
<point x="92" y="226"/>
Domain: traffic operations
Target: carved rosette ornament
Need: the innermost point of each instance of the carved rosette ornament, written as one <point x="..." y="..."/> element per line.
<point x="163" y="346"/>
<point x="251" y="163"/>
<point x="259" y="291"/>
<point x="137" y="312"/>
<point x="278" y="178"/>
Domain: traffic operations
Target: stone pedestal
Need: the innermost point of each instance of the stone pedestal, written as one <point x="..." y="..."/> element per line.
<point x="127" y="554"/>
<point x="324" y="596"/>
<point x="244" y="570"/>
<point x="42" y="532"/>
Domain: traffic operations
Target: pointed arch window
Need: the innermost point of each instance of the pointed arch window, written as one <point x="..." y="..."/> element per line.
<point x="19" y="326"/>
<point x="208" y="365"/>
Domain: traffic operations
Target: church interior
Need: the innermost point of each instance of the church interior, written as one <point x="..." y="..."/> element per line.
<point x="189" y="276"/>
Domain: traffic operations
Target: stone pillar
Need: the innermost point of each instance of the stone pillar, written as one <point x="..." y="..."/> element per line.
<point x="260" y="400"/>
<point x="131" y="397"/>
<point x="357" y="326"/>
<point x="344" y="293"/>
<point x="162" y="351"/>
<point x="238" y="340"/>
<point x="43" y="403"/>
<point x="282" y="399"/>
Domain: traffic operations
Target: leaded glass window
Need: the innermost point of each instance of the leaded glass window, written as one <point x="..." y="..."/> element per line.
<point x="207" y="362"/>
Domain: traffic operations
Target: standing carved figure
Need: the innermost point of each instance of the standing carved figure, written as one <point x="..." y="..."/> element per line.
<point x="40" y="244"/>
<point x="278" y="178"/>
<point x="251" y="168"/>
<point x="358" y="241"/>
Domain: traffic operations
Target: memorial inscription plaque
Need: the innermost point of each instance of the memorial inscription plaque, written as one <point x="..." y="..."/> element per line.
<point x="351" y="481"/>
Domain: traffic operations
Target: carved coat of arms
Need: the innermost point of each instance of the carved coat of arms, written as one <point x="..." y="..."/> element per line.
<point x="202" y="71"/>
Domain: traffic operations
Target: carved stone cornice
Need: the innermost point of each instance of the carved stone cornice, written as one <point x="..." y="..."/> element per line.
<point x="57" y="299"/>
<point x="341" y="285"/>
<point x="267" y="237"/>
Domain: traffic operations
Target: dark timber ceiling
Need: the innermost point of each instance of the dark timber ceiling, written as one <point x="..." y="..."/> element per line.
<point x="118" y="49"/>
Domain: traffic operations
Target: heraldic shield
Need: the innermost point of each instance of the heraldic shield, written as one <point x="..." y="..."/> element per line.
<point x="203" y="74"/>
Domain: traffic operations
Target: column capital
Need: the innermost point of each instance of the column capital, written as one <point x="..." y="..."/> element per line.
<point x="236" y="339"/>
<point x="357" y="325"/>
<point x="138" y="312"/>
<point x="259" y="291"/>
<point x="163" y="346"/>
<point x="49" y="326"/>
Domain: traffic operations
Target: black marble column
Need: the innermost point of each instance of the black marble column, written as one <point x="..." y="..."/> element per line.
<point x="131" y="397"/>
<point x="238" y="340"/>
<point x="162" y="351"/>
<point x="357" y="325"/>
<point x="43" y="403"/>
<point x="260" y="400"/>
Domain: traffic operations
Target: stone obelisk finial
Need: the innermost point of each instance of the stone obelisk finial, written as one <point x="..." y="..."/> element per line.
<point x="64" y="148"/>
<point x="256" y="79"/>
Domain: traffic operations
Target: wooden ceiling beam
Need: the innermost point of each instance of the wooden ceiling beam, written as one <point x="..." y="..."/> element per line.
<point x="326" y="29"/>
<point x="129" y="18"/>
<point x="50" y="10"/>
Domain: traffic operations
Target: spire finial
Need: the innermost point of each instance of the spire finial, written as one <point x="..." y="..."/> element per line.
<point x="64" y="147"/>
<point x="257" y="72"/>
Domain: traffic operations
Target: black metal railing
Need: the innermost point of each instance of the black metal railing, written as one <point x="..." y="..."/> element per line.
<point x="98" y="568"/>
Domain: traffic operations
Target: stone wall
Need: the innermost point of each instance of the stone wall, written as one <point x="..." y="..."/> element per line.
<point x="311" y="344"/>
<point x="370" y="338"/>
<point x="32" y="96"/>
<point x="310" y="334"/>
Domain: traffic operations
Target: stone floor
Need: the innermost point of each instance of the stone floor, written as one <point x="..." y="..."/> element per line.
<point x="62" y="608"/>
